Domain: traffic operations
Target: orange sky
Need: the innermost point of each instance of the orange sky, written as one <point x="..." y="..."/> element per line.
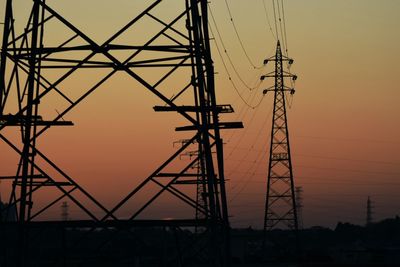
<point x="343" y="121"/>
<point x="344" y="118"/>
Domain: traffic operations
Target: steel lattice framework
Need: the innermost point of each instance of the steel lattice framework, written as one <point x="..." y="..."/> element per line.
<point x="24" y="86"/>
<point x="280" y="207"/>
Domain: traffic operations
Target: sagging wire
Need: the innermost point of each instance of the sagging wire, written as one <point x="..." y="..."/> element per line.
<point x="231" y="80"/>
<point x="268" y="20"/>
<point x="257" y="84"/>
<point x="239" y="38"/>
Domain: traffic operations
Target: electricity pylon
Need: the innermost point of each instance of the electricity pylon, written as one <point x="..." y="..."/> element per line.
<point x="299" y="206"/>
<point x="179" y="42"/>
<point x="369" y="212"/>
<point x="280" y="205"/>
<point x="64" y="211"/>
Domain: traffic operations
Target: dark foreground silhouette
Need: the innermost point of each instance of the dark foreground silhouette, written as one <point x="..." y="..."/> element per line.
<point x="377" y="244"/>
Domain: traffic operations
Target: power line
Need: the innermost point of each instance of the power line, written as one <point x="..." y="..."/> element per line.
<point x="268" y="20"/>
<point x="280" y="24"/>
<point x="324" y="181"/>
<point x="340" y="170"/>
<point x="257" y="85"/>
<point x="239" y="38"/>
<point x="346" y="139"/>
<point x="279" y="18"/>
<point x="332" y="158"/>
<point x="244" y="133"/>
<point x="244" y="110"/>
<point x="230" y="77"/>
<point x="251" y="171"/>
<point x="348" y="159"/>
<point x="276" y="25"/>
<point x="249" y="177"/>
<point x="348" y="170"/>
<point x="284" y="29"/>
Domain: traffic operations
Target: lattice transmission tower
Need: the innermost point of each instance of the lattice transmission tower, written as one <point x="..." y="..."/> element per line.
<point x="64" y="211"/>
<point x="299" y="206"/>
<point x="280" y="205"/>
<point x="369" y="220"/>
<point x="34" y="70"/>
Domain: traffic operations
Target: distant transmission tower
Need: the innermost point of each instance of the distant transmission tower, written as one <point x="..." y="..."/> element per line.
<point x="200" y="181"/>
<point x="369" y="211"/>
<point x="280" y="207"/>
<point x="1" y="206"/>
<point x="299" y="206"/>
<point x="64" y="211"/>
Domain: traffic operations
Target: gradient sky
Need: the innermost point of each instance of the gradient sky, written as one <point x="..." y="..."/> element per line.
<point x="343" y="121"/>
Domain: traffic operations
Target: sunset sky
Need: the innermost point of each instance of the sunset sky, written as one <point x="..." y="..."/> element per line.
<point x="343" y="119"/>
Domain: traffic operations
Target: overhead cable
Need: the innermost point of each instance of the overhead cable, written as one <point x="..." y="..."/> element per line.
<point x="239" y="38"/>
<point x="276" y="25"/>
<point x="230" y="77"/>
<point x="268" y="20"/>
<point x="229" y="57"/>
<point x="280" y="25"/>
<point x="284" y="28"/>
